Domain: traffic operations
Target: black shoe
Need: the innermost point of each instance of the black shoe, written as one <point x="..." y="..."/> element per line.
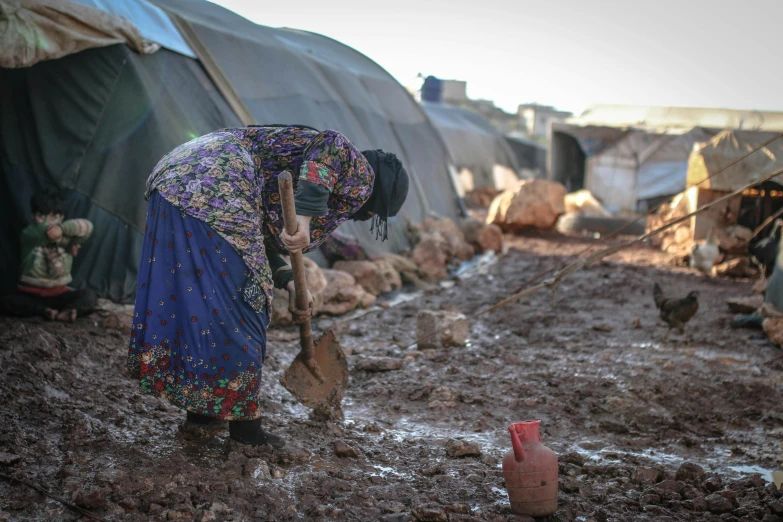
<point x="250" y="432"/>
<point x="201" y="420"/>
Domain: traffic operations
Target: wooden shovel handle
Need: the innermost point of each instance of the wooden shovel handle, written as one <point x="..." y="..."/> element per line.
<point x="297" y="262"/>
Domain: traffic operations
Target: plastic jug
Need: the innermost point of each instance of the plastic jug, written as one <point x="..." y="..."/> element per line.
<point x="530" y="469"/>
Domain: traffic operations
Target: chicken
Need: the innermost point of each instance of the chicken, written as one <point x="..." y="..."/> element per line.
<point x="703" y="257"/>
<point x="675" y="312"/>
<point x="765" y="250"/>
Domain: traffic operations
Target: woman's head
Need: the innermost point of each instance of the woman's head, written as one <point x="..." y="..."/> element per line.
<point x="389" y="191"/>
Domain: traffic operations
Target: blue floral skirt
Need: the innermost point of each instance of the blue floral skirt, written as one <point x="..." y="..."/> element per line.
<point x="195" y="340"/>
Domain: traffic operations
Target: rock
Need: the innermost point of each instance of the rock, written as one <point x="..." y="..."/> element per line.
<point x="733" y="239"/>
<point x="342" y="294"/>
<point x="179" y="515"/>
<point x="90" y="498"/>
<point x="737" y="267"/>
<point x="343" y="450"/>
<point x="128" y="503"/>
<point x="395" y="517"/>
<point x="206" y="516"/>
<point x="773" y="327"/>
<point x="429" y="513"/>
<point x="461" y="448"/>
<point x="8" y="459"/>
<point x="649" y="499"/>
<point x="647" y="476"/>
<point x="391" y="277"/>
<point x="480" y="197"/>
<point x="713" y="483"/>
<point x="114" y="322"/>
<point x="536" y="203"/>
<point x="219" y="507"/>
<point x="776" y="507"/>
<point x="456" y="245"/>
<point x="406" y="268"/>
<point x="316" y="284"/>
<point x="452" y="328"/>
<point x="367" y="275"/>
<point x="430" y="257"/>
<point x="718" y="504"/>
<point x="461" y="509"/>
<point x="690" y="472"/>
<point x="745" y="305"/>
<point x="699" y="504"/>
<point x="483" y="237"/>
<point x="573" y="457"/>
<point x="378" y="364"/>
<point x="584" y="203"/>
<point x="770" y="518"/>
<point x="256" y="468"/>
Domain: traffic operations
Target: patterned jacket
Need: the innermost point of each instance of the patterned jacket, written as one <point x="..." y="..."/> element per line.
<point x="228" y="179"/>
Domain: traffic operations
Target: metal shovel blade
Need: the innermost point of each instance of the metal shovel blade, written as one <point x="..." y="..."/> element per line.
<point x="303" y="385"/>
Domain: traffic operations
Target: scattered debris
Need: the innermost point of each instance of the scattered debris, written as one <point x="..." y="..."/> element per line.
<point x="378" y="364"/>
<point x="344" y="450"/>
<point x="441" y="328"/>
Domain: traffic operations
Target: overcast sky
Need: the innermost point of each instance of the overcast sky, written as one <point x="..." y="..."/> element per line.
<point x="567" y="53"/>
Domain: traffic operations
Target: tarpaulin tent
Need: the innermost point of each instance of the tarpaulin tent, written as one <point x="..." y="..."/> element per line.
<point x="97" y="121"/>
<point x="479" y="151"/>
<point x="530" y="155"/>
<point x="708" y="162"/>
<point x="629" y="154"/>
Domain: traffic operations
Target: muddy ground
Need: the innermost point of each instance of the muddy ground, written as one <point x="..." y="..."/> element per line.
<point x="622" y="409"/>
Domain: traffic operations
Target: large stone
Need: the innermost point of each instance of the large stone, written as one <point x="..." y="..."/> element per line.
<point x="690" y="472"/>
<point x="430" y="256"/>
<point x="391" y="277"/>
<point x="406" y="268"/>
<point x="745" y="305"/>
<point x="456" y="246"/>
<point x="481" y="236"/>
<point x="378" y="364"/>
<point x="773" y="327"/>
<point x="342" y="294"/>
<point x="584" y="203"/>
<point x="718" y="503"/>
<point x="366" y="273"/>
<point x="456" y="448"/>
<point x="316" y="283"/>
<point x="441" y="328"/>
<point x="737" y="267"/>
<point x="537" y="203"/>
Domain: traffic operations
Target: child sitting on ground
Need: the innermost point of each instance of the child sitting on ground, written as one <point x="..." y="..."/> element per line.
<point x="48" y="247"/>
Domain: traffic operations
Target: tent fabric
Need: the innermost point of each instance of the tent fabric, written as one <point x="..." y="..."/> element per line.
<point x="96" y="123"/>
<point x="286" y="76"/>
<point x="530" y="155"/>
<point x="473" y="143"/>
<point x="36" y="30"/>
<point x="641" y="165"/>
<point x="723" y="149"/>
<point x="666" y="119"/>
<point x="149" y="19"/>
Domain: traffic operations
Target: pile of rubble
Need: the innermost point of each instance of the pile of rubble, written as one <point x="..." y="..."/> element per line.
<point x="732" y="240"/>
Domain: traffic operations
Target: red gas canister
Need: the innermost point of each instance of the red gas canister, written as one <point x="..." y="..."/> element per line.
<point x="530" y="469"/>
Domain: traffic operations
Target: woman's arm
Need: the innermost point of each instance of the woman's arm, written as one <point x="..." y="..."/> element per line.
<point x="281" y="271"/>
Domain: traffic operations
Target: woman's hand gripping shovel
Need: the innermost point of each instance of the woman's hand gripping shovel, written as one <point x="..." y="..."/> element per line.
<point x="319" y="374"/>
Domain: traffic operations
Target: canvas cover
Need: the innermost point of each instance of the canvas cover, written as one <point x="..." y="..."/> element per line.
<point x="35" y="30"/>
<point x="530" y="155"/>
<point x="474" y="144"/>
<point x="96" y="122"/>
<point x="709" y="158"/>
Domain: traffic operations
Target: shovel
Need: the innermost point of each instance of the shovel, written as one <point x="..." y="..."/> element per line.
<point x="319" y="374"/>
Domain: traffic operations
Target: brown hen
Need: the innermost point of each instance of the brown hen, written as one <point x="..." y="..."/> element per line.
<point x="675" y="312"/>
